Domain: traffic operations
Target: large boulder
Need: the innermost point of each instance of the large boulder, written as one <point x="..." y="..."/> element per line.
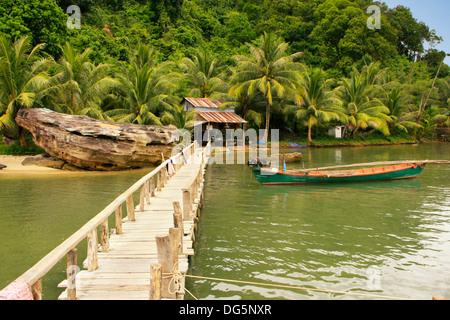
<point x="286" y="157"/>
<point x="291" y="157"/>
<point x="93" y="144"/>
<point x="44" y="160"/>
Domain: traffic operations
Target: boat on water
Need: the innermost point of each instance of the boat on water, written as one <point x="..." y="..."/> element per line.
<point x="371" y="172"/>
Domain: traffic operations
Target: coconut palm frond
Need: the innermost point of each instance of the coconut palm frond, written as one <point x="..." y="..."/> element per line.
<point x="268" y="70"/>
<point x="23" y="79"/>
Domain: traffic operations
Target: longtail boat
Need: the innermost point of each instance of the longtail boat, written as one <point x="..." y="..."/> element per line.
<point x="372" y="172"/>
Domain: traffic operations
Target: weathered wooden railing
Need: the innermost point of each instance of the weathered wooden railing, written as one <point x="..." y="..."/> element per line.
<point x="145" y="185"/>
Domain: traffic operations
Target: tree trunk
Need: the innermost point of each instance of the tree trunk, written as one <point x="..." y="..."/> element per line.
<point x="244" y="127"/>
<point x="422" y="107"/>
<point x="354" y="132"/>
<point x="309" y="134"/>
<point x="266" y="134"/>
<point x="22" y="137"/>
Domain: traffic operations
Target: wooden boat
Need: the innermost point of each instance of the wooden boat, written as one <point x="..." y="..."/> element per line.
<point x="378" y="171"/>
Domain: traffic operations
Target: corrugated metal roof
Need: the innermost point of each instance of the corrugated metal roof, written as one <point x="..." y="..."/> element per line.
<point x="204" y="102"/>
<point x="221" y="117"/>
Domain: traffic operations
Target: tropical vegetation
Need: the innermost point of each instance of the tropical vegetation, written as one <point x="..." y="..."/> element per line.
<point x="300" y="66"/>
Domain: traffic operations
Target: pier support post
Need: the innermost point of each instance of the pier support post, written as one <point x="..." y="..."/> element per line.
<point x="92" y="250"/>
<point x="187" y="205"/>
<point x="152" y="186"/>
<point x="174" y="234"/>
<point x="142" y="198"/>
<point x="155" y="281"/>
<point x="163" y="176"/>
<point x="119" y="220"/>
<point x="178" y="221"/>
<point x="147" y="192"/>
<point x="36" y="290"/>
<point x="130" y="208"/>
<point x="104" y="232"/>
<point x="158" y="181"/>
<point x="166" y="175"/>
<point x="72" y="274"/>
<point x="166" y="260"/>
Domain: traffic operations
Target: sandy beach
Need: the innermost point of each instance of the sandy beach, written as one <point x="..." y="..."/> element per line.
<point x="14" y="165"/>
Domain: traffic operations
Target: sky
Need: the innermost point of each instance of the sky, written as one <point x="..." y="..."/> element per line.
<point x="434" y="13"/>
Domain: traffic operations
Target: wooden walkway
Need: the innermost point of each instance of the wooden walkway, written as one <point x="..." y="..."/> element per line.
<point x="157" y="234"/>
<point x="123" y="272"/>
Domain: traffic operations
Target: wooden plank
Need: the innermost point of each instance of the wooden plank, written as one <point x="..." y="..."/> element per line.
<point x="109" y="295"/>
<point x="34" y="274"/>
<point x="114" y="284"/>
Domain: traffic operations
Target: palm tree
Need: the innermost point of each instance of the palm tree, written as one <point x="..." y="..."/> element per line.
<point x="248" y="106"/>
<point x="316" y="102"/>
<point x="147" y="89"/>
<point x="84" y="85"/>
<point x="179" y="118"/>
<point x="374" y="75"/>
<point x="403" y="118"/>
<point x="23" y="81"/>
<point x="364" y="110"/>
<point x="269" y="70"/>
<point x="434" y="117"/>
<point x="202" y="75"/>
<point x="444" y="102"/>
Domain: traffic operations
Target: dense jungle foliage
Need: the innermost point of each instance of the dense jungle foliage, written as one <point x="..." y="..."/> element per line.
<point x="301" y="66"/>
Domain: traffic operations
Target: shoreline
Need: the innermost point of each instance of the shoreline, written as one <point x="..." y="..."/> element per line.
<point x="351" y="144"/>
<point x="361" y="144"/>
<point x="14" y="165"/>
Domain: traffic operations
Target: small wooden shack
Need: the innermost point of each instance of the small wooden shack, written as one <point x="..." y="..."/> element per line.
<point x="210" y="115"/>
<point x="337" y="132"/>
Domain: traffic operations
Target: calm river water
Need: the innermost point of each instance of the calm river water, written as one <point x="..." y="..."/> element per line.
<point x="384" y="238"/>
<point x="39" y="211"/>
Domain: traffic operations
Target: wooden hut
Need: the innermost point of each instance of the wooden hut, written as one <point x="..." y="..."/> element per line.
<point x="210" y="116"/>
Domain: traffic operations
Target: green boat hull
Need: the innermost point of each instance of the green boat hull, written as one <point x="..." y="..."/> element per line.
<point x="266" y="177"/>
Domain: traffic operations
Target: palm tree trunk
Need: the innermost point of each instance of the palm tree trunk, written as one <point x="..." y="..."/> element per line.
<point x="355" y="131"/>
<point x="244" y="114"/>
<point x="22" y="137"/>
<point x="309" y="134"/>
<point x="266" y="134"/>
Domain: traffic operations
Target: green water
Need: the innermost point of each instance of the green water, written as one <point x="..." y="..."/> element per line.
<point x="40" y="211"/>
<point x="389" y="238"/>
<point x="381" y="238"/>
